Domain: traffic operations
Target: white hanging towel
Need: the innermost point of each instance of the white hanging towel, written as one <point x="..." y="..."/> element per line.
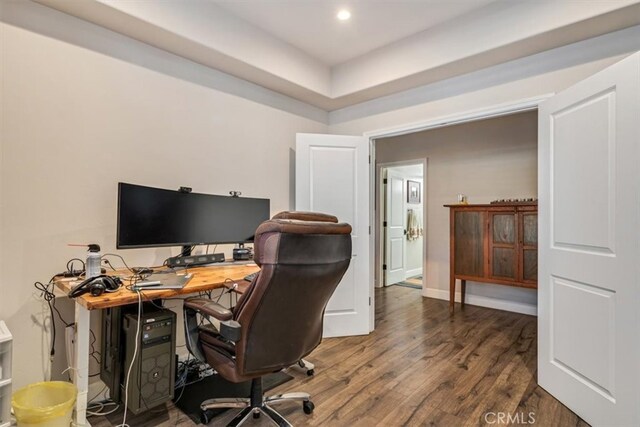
<point x="414" y="225"/>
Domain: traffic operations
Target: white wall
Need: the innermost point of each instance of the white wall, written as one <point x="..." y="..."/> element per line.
<point x="486" y="160"/>
<point x="75" y="121"/>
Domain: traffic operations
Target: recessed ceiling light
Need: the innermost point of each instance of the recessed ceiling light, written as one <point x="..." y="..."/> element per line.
<point x="344" y="14"/>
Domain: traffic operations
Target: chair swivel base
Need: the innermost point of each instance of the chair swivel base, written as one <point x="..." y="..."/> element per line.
<point x="255" y="405"/>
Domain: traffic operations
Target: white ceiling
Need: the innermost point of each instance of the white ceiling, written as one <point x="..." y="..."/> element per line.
<point x="299" y="49"/>
<point x="311" y="25"/>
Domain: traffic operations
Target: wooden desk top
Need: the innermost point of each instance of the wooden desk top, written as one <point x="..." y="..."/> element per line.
<point x="204" y="279"/>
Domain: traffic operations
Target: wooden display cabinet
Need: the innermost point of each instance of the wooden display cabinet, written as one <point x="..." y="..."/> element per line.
<point x="493" y="243"/>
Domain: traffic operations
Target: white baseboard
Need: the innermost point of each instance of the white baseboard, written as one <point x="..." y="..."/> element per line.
<point x="413" y="273"/>
<point x="499" y="304"/>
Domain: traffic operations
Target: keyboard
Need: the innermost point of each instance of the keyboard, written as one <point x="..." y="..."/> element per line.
<point x="250" y="277"/>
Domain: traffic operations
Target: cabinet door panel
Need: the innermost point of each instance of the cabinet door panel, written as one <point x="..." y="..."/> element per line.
<point x="504" y="228"/>
<point x="469" y="237"/>
<point x="504" y="263"/>
<point x="530" y="229"/>
<point x="530" y="265"/>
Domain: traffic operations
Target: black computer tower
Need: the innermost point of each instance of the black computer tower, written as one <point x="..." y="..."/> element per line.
<point x="152" y="377"/>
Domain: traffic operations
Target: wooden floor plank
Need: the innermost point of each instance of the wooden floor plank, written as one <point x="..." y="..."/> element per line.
<point x="420" y="367"/>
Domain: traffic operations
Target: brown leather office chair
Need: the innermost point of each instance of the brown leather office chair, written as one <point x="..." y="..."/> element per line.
<point x="304" y="364"/>
<point x="278" y="321"/>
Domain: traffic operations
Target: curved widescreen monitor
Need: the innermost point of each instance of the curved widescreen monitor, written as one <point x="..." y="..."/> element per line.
<point x="152" y="217"/>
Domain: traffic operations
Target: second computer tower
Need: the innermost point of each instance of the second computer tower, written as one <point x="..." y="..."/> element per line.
<point x="152" y="377"/>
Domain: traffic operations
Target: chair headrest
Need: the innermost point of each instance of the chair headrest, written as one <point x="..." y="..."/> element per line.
<point x="269" y="233"/>
<point x="306" y="216"/>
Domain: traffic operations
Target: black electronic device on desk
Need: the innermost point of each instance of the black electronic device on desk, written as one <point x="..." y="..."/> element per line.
<point x="194" y="260"/>
<point x="242" y="254"/>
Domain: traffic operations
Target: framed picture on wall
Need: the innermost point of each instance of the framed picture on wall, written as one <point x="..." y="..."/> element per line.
<point x="413" y="192"/>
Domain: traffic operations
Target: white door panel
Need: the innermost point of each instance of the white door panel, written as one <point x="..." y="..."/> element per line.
<point x="583" y="214"/>
<point x="395" y="219"/>
<point x="589" y="209"/>
<point x="332" y="177"/>
<point x="343" y="299"/>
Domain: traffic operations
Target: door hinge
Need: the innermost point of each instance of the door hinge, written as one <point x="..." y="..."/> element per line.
<point x="384" y="181"/>
<point x="384" y="266"/>
<point x="384" y="223"/>
<point x="369" y="158"/>
<point x="369" y="229"/>
<point x="369" y="301"/>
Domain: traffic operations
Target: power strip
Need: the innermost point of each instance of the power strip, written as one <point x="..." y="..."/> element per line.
<point x="205" y="371"/>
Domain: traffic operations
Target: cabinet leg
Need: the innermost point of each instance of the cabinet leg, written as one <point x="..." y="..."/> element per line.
<point x="463" y="291"/>
<point x="452" y="294"/>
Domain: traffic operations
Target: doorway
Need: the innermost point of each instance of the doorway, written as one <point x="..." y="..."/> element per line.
<point x="486" y="160"/>
<point x="401" y="224"/>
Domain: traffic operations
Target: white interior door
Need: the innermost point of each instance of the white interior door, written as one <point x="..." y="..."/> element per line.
<point x="589" y="246"/>
<point x="332" y="176"/>
<point x="395" y="228"/>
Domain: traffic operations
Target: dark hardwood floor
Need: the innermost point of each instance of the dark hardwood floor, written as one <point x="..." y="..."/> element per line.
<point x="420" y="367"/>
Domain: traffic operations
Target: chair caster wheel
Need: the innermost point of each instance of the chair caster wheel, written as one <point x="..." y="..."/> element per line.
<point x="310" y="372"/>
<point x="308" y="407"/>
<point x="256" y="415"/>
<point x="206" y="416"/>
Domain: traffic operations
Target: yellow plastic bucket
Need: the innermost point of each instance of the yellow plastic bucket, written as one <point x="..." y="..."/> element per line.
<point x="45" y="404"/>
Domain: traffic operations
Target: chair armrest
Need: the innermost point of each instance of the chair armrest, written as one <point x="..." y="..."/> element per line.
<point x="209" y="308"/>
<point x="231" y="330"/>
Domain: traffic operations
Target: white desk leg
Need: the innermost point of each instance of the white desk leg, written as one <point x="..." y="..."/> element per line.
<point x="81" y="364"/>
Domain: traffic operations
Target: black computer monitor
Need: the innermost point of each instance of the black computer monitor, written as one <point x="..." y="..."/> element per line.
<point x="153" y="217"/>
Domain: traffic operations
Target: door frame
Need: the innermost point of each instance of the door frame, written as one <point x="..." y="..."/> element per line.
<point x="505" y="109"/>
<point x="378" y="207"/>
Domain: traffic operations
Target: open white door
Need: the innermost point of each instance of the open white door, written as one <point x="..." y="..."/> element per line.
<point x="332" y="176"/>
<point x="395" y="228"/>
<point x="589" y="246"/>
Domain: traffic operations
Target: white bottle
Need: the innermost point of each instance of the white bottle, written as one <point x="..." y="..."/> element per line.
<point x="92" y="267"/>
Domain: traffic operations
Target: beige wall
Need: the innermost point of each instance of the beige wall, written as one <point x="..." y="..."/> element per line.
<point x="76" y="121"/>
<point x="486" y="160"/>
